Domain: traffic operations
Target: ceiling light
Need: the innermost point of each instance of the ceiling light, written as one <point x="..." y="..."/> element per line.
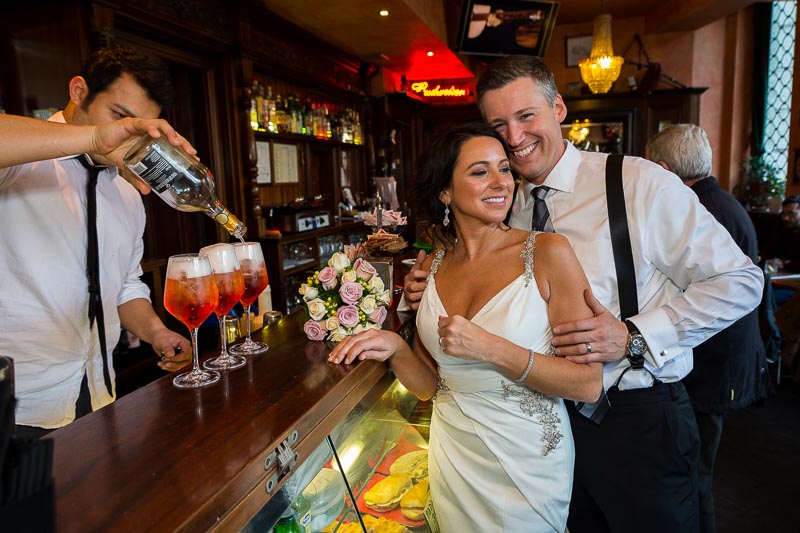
<point x="429" y="53"/>
<point x="384" y="12"/>
<point x="601" y="69"/>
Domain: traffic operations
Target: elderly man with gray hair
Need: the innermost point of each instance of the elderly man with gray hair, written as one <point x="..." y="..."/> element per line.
<point x="730" y="367"/>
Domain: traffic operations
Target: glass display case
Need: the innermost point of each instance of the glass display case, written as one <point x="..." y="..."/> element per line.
<point x="358" y="453"/>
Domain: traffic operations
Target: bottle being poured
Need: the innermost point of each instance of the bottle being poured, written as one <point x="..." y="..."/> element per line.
<point x="180" y="180"/>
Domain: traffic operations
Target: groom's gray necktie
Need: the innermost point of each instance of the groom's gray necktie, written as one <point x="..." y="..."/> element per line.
<point x="541" y="216"/>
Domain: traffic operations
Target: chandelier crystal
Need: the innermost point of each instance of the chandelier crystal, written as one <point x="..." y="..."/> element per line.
<point x="600" y="70"/>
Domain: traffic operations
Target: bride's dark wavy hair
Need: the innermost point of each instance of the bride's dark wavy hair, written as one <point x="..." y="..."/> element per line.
<point x="435" y="173"/>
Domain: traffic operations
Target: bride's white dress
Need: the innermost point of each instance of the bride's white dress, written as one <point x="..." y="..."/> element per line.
<point x="501" y="454"/>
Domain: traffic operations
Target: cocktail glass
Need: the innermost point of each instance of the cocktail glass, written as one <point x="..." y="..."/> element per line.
<point x="230" y="285"/>
<point x="254" y="272"/>
<point x="190" y="296"/>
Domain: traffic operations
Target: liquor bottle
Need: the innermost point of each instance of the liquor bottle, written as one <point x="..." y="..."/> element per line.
<point x="180" y="180"/>
<point x="270" y="103"/>
<point x="287" y="523"/>
<point x="302" y="507"/>
<point x="260" y="105"/>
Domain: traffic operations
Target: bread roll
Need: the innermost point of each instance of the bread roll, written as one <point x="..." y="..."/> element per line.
<point x="413" y="502"/>
<point x="385" y="495"/>
<point x="414" y="464"/>
<point x="383" y="525"/>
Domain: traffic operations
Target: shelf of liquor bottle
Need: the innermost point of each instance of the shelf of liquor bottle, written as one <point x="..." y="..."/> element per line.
<point x="274" y="136"/>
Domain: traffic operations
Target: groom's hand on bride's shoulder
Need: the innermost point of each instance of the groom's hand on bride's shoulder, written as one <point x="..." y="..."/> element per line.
<point x="415" y="282"/>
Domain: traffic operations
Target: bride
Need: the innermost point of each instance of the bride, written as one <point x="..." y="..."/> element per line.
<point x="501" y="452"/>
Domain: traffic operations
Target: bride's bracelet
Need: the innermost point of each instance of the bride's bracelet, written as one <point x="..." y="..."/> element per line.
<point x="524" y="375"/>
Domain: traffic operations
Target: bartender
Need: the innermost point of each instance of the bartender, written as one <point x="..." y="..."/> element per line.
<point x="55" y="293"/>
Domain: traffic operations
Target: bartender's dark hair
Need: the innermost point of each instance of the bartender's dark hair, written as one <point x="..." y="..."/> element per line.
<point x="511" y="68"/>
<point x="435" y="173"/>
<point x="106" y="65"/>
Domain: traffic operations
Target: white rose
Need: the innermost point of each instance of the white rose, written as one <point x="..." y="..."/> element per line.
<point x="376" y="284"/>
<point x="349" y="275"/>
<point x="372" y="325"/>
<point x="332" y="323"/>
<point x="358" y="329"/>
<point x="338" y="334"/>
<point x="339" y="261"/>
<point x="316" y="308"/>
<point x="368" y="304"/>
<point x="386" y="297"/>
<point x="308" y="292"/>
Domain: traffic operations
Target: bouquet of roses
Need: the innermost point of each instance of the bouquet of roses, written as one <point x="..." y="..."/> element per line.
<point x="344" y="298"/>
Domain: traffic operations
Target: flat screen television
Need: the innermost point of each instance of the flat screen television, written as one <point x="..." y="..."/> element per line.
<point x="504" y="27"/>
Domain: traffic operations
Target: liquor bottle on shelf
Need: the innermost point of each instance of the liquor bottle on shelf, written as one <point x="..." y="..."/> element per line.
<point x="180" y="180"/>
<point x="270" y="103"/>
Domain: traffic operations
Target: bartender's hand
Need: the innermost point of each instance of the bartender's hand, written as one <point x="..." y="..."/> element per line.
<point x="174" y="351"/>
<point x="604" y="333"/>
<point x="415" y="282"/>
<point x="111" y="141"/>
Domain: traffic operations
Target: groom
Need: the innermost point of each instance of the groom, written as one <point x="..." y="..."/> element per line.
<point x="637" y="468"/>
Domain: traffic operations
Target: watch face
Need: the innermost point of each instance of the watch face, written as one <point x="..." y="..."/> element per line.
<point x="636" y="345"/>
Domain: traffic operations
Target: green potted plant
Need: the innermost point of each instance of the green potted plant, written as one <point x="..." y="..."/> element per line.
<point x="762" y="181"/>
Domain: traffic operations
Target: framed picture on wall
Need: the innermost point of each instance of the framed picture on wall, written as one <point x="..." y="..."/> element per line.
<point x="264" y="166"/>
<point x="577" y="48"/>
<point x="285" y="163"/>
<point x="503" y="27"/>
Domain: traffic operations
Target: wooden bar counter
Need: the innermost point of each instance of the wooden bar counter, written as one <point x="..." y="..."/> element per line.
<point x="164" y="459"/>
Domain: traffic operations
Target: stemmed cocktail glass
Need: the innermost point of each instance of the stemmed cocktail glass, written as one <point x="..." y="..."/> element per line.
<point x="230" y="285"/>
<point x="254" y="271"/>
<point x="190" y="296"/>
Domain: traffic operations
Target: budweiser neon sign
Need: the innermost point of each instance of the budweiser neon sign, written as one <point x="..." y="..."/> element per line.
<point x="421" y="87"/>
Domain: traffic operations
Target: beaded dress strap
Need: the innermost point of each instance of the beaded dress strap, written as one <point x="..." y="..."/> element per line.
<point x="437" y="260"/>
<point x="527" y="255"/>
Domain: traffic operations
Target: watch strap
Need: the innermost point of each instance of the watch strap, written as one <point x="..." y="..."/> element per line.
<point x="636" y="361"/>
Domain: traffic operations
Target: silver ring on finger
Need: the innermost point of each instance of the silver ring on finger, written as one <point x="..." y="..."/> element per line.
<point x="588" y="347"/>
<point x="441" y="342"/>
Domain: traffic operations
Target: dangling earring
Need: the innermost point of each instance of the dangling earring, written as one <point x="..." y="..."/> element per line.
<point x="446" y="221"/>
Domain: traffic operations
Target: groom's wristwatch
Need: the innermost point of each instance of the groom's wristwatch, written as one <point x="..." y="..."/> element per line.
<point x="636" y="346"/>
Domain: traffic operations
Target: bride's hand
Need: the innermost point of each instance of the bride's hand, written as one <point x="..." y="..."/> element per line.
<point x="372" y="344"/>
<point x="461" y="338"/>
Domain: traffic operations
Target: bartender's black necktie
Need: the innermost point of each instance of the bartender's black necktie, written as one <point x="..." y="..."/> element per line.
<point x="93" y="265"/>
<point x="540" y="213"/>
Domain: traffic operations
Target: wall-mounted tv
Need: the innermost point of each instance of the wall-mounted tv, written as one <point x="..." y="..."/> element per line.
<point x="504" y="27"/>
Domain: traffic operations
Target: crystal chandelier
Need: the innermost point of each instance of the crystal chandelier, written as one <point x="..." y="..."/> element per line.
<point x="601" y="69"/>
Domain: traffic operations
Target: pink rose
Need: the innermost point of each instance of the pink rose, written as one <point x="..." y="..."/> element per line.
<point x="364" y="269"/>
<point x="327" y="276"/>
<point x="378" y="315"/>
<point x="348" y="315"/>
<point x="315" y="331"/>
<point x="351" y="292"/>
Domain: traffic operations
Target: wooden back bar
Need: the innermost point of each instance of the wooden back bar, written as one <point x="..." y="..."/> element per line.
<point x="165" y="459"/>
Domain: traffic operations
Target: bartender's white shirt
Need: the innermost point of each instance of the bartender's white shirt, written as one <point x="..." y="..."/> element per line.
<point x="692" y="278"/>
<point x="44" y="299"/>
